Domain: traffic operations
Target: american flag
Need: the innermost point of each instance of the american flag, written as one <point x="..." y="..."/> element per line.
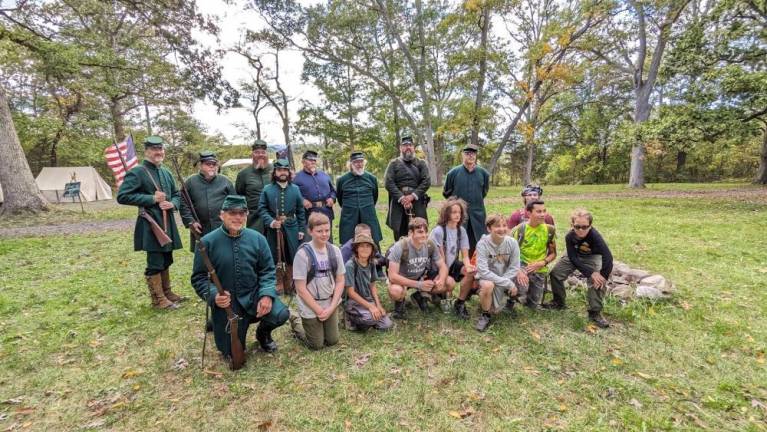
<point x="128" y="152"/>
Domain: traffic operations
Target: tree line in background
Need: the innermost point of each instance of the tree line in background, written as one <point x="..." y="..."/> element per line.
<point x="589" y="91"/>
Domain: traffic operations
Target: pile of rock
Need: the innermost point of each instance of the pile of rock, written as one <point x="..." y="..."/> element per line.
<point x="627" y="283"/>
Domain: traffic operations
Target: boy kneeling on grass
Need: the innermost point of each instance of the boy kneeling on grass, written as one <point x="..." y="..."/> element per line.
<point x="588" y="253"/>
<point x="415" y="262"/>
<point x="318" y="273"/>
<point x="497" y="266"/>
<point x="363" y="306"/>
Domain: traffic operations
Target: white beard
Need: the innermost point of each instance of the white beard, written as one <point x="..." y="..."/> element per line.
<point x="358" y="172"/>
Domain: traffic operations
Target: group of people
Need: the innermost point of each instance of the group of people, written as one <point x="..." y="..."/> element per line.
<point x="272" y="222"/>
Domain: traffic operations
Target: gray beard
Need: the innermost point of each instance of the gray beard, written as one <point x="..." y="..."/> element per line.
<point x="358" y="172"/>
<point x="408" y="156"/>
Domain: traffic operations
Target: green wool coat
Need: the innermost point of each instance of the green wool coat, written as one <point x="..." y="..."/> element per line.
<point x="250" y="183"/>
<point x="357" y="196"/>
<point x="138" y="190"/>
<point x="288" y="202"/>
<point x="243" y="264"/>
<point x="207" y="199"/>
<point x="471" y="187"/>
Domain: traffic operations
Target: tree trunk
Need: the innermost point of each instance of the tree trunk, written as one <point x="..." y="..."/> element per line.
<point x="761" y="176"/>
<point x="20" y="192"/>
<point x="118" y="122"/>
<point x="485" y="28"/>
<point x="528" y="174"/>
<point x="681" y="160"/>
<point x="641" y="114"/>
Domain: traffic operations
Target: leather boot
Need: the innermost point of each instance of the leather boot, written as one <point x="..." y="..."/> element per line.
<point x="154" y="283"/>
<point x="170" y="295"/>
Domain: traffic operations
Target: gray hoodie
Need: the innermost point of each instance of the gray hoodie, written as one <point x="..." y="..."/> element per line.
<point x="498" y="264"/>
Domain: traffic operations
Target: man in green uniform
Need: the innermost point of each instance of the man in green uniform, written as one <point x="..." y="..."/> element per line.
<point x="281" y="207"/>
<point x="151" y="187"/>
<point x="252" y="180"/>
<point x="207" y="190"/>
<point x="471" y="183"/>
<point x="246" y="271"/>
<point x="407" y="181"/>
<point x="357" y="193"/>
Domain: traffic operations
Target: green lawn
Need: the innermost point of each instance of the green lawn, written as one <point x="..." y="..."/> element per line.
<point x="81" y="349"/>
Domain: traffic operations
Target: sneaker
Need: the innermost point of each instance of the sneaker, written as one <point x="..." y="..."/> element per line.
<point x="554" y="306"/>
<point x="418" y="299"/>
<point x="483" y="322"/>
<point x="459" y="307"/>
<point x="444" y="304"/>
<point x="399" y="310"/>
<point x="598" y="319"/>
<point x="510" y="308"/>
<point x="265" y="340"/>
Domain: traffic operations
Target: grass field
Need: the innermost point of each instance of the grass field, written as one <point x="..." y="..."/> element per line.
<point x="82" y="350"/>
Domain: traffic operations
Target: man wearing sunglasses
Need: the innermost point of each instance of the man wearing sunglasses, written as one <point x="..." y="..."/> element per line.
<point x="588" y="253"/>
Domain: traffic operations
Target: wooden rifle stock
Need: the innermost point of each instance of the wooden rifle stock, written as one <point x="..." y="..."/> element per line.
<point x="238" y="351"/>
<point x="159" y="234"/>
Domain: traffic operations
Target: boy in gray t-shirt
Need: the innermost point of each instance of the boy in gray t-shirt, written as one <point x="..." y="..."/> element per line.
<point x="319" y="298"/>
<point x="415" y="262"/>
<point x="497" y="265"/>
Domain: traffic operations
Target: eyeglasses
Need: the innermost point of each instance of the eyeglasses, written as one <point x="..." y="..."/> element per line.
<point x="581" y="227"/>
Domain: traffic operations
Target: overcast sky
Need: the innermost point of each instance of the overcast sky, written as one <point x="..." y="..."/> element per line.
<point x="232" y="22"/>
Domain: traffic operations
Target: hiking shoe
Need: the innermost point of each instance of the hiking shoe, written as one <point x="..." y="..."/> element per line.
<point x="533" y="306"/>
<point x="459" y="307"/>
<point x="399" y="310"/>
<point x="265" y="340"/>
<point x="598" y="319"/>
<point x="554" y="306"/>
<point x="418" y="299"/>
<point x="483" y="322"/>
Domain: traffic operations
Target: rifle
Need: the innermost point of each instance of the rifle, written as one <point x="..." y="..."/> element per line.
<point x="238" y="352"/>
<point x="159" y="234"/>
<point x="281" y="267"/>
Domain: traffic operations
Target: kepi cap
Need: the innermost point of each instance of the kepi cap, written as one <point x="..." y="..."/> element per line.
<point x="234" y="202"/>
<point x="153" y="141"/>
<point x="356" y="156"/>
<point x="310" y="155"/>
<point x="281" y="163"/>
<point x="206" y="156"/>
<point x="470" y="148"/>
<point x="259" y="144"/>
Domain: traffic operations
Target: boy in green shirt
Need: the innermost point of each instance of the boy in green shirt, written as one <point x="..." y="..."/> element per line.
<point x="537" y="247"/>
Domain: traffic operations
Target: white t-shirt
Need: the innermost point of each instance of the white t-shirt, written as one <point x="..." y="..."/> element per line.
<point x="452" y="249"/>
<point x="322" y="285"/>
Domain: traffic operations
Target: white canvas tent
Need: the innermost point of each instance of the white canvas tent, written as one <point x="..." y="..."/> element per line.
<point x="51" y="181"/>
<point x="237" y="162"/>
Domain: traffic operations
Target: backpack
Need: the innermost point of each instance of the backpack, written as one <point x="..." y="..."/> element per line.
<point x="313" y="261"/>
<point x="444" y="243"/>
<point x="406" y="249"/>
<point x="520" y="237"/>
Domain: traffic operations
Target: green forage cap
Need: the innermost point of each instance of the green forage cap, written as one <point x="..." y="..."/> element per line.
<point x="153" y="141"/>
<point x="208" y="156"/>
<point x="281" y="163"/>
<point x="234" y="202"/>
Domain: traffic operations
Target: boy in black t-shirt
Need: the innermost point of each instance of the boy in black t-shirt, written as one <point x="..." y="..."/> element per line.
<point x="588" y="253"/>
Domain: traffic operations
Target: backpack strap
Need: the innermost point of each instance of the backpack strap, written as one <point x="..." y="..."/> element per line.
<point x="312" y="261"/>
<point x="405" y="250"/>
<point x="521" y="233"/>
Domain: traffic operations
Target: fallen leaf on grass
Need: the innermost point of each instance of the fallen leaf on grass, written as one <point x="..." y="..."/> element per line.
<point x="635" y="403"/>
<point x="347" y="425"/>
<point x="760" y="357"/>
<point x="24" y="410"/>
<point x="95" y="424"/>
<point x="463" y="413"/>
<point x="686" y="306"/>
<point x="130" y="373"/>
<point x="362" y="360"/>
<point x="214" y="374"/>
<point x="643" y="375"/>
<point x="3" y="416"/>
<point x="14" y="401"/>
<point x="591" y="329"/>
<point x="264" y="425"/>
<point x="535" y="335"/>
<point x="616" y="361"/>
